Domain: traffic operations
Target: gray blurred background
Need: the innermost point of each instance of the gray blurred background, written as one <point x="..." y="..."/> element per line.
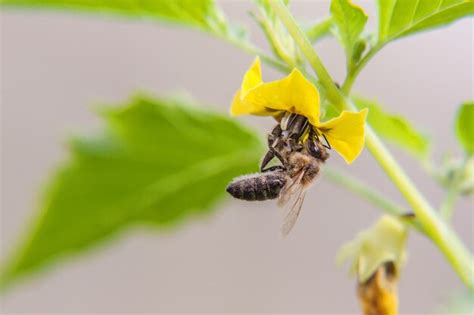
<point x="54" y="66"/>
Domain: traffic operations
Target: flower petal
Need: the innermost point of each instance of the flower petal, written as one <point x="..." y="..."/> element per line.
<point x="293" y="94"/>
<point x="383" y="242"/>
<point x="346" y="133"/>
<point x="252" y="78"/>
<point x="239" y="107"/>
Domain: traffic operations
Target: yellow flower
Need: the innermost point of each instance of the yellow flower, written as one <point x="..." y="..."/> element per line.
<point x="296" y="94"/>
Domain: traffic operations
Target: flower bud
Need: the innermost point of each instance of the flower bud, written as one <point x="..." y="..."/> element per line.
<point x="377" y="255"/>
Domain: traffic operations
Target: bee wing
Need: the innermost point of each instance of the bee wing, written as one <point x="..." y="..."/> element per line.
<point x="290" y="189"/>
<point x="293" y="212"/>
<point x="294" y="191"/>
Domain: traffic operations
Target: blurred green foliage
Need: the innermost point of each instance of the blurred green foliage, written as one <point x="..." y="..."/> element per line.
<point x="158" y="162"/>
<point x="465" y="127"/>
<point x="200" y="14"/>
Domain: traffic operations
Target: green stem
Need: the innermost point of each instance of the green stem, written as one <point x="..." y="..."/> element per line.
<point x="278" y="49"/>
<point x="277" y="64"/>
<point x="358" y="187"/>
<point x="453" y="190"/>
<point x="319" y="30"/>
<point x="446" y="240"/>
<point x="367" y="193"/>
<point x="252" y="50"/>
<point x="447" y="207"/>
<point x="354" y="72"/>
<point x="442" y="235"/>
<point x="302" y="41"/>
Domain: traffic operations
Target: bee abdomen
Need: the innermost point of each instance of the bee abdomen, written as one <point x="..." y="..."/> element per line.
<point x="257" y="187"/>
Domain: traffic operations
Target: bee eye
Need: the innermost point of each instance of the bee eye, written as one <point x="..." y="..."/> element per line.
<point x="314" y="149"/>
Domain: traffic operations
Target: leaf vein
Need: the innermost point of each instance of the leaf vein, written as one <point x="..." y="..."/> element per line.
<point x="412" y="20"/>
<point x="402" y="31"/>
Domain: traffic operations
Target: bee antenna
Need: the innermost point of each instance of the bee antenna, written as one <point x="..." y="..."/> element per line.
<point x="327" y="145"/>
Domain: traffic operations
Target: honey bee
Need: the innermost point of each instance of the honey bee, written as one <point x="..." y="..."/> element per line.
<point x="296" y="144"/>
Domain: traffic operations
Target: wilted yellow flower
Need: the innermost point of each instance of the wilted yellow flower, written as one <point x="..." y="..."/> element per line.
<point x="378" y="295"/>
<point x="297" y="95"/>
<point x="377" y="254"/>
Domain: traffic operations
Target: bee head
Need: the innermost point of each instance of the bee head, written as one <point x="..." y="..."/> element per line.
<point x="316" y="149"/>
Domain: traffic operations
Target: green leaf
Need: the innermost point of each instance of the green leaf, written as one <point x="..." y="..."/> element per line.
<point x="158" y="162"/>
<point x="395" y="128"/>
<point x="465" y="127"/>
<point x="398" y="18"/>
<point x="350" y="21"/>
<point x="202" y="14"/>
<point x="319" y="30"/>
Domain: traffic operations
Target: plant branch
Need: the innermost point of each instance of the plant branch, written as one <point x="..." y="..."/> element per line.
<point x="252" y="50"/>
<point x="444" y="237"/>
<point x="270" y="34"/>
<point x="447" y="207"/>
<point x="452" y="181"/>
<point x="441" y="234"/>
<point x="363" y="190"/>
<point x="354" y="72"/>
<point x="367" y="193"/>
<point x="319" y="30"/>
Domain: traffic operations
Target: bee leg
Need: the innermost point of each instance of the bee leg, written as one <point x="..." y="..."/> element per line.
<point x="275" y="134"/>
<point x="266" y="159"/>
<point x="273" y="137"/>
<point x="278" y="156"/>
<point x="274" y="168"/>
<point x="271" y="153"/>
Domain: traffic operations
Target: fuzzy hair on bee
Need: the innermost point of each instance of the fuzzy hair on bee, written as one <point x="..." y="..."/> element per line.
<point x="259" y="186"/>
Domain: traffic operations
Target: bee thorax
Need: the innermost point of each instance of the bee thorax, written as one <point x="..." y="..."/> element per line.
<point x="310" y="174"/>
<point x="305" y="163"/>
